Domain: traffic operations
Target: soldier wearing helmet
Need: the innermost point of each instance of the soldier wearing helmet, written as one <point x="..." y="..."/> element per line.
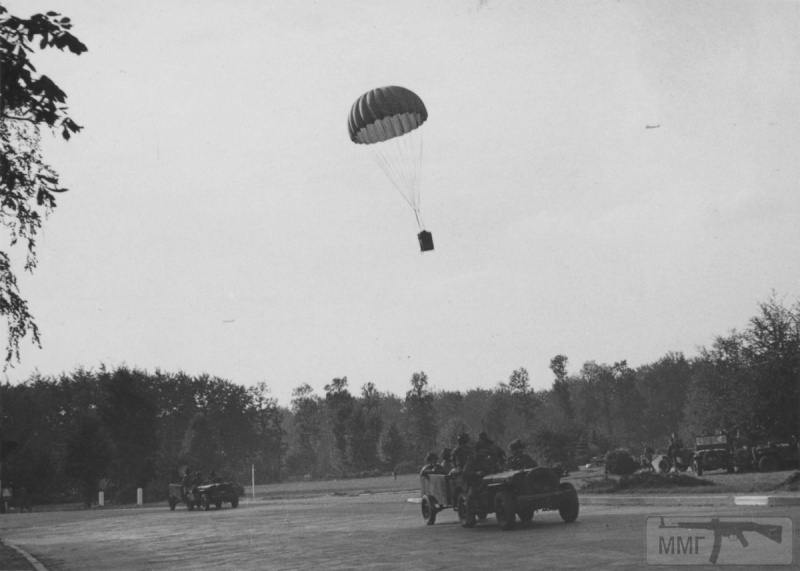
<point x="489" y="455"/>
<point x="518" y="459"/>
<point x="463" y="453"/>
<point x="432" y="465"/>
<point x="447" y="460"/>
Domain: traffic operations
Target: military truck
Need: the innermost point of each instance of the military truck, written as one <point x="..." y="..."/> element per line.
<point x="712" y="452"/>
<point x="509" y="495"/>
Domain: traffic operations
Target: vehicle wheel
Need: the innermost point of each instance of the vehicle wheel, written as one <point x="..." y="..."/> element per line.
<point x="235" y="502"/>
<point x="206" y="503"/>
<point x="504" y="509"/>
<point x="218" y="504"/>
<point x="767" y="464"/>
<point x="428" y="510"/>
<point x="698" y="468"/>
<point x="568" y="507"/>
<point x="466" y="517"/>
<point x="172" y="504"/>
<point x="525" y="514"/>
<point x="482" y="516"/>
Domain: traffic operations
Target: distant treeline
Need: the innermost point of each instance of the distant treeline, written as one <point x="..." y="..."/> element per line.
<point x="66" y="437"/>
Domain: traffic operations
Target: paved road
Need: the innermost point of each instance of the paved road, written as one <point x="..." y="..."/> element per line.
<point x="380" y="531"/>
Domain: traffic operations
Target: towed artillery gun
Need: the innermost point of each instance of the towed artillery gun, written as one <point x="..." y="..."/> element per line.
<point x="509" y="494"/>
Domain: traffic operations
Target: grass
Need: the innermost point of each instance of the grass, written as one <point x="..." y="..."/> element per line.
<point x="349" y="487"/>
<point x="586" y="481"/>
<point x="594" y="481"/>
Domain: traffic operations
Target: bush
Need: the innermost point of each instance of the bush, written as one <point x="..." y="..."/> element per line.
<point x="555" y="447"/>
<point x="620" y="462"/>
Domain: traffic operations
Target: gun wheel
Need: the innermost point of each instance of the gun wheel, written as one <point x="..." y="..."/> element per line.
<point x="428" y="510"/>
<point x="568" y="507"/>
<point x="504" y="509"/>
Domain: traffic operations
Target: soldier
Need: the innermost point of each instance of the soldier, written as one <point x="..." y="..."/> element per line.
<point x="463" y="453"/>
<point x="466" y="462"/>
<point x="673" y="450"/>
<point x="186" y="483"/>
<point x="489" y="455"/>
<point x="432" y="466"/>
<point x="518" y="459"/>
<point x="447" y="460"/>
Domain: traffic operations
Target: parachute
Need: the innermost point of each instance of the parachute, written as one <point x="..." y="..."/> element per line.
<point x="388" y="119"/>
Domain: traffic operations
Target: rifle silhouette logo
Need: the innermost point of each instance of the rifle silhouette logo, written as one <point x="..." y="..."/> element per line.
<point x="735" y="529"/>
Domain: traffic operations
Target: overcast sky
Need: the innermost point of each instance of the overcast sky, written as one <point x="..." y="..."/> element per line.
<point x="220" y="220"/>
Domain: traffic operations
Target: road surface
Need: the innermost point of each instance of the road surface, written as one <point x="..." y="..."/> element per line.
<point x="370" y="531"/>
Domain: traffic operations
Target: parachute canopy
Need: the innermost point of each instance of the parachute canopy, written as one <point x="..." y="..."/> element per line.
<point x="384" y="113"/>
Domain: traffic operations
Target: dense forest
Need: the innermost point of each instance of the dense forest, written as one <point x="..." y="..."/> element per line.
<point x="66" y="437"/>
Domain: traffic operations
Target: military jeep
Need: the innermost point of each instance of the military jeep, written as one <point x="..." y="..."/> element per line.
<point x="205" y="495"/>
<point x="510" y="494"/>
<point x="712" y="453"/>
<point x="776" y="456"/>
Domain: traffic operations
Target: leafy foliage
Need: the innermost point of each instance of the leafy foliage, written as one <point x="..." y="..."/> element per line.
<point x="89" y="453"/>
<point x="421" y="417"/>
<point x="28" y="101"/>
<point x="139" y="429"/>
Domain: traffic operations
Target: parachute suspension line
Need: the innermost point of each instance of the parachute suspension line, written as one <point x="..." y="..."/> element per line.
<point x="411" y="170"/>
<point x="418" y="172"/>
<point x="392" y="174"/>
<point x="419" y="219"/>
<point x="400" y="158"/>
<point x="410" y="162"/>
